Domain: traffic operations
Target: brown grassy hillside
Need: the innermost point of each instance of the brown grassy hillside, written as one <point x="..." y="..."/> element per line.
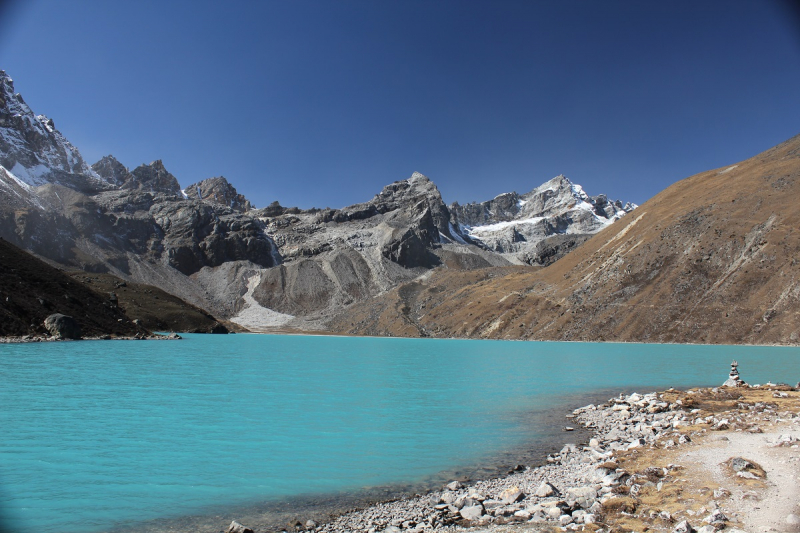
<point x="712" y="259"/>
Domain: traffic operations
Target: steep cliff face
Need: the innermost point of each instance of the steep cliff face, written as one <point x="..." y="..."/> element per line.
<point x="187" y="235"/>
<point x="712" y="259"/>
<point x="532" y="228"/>
<point x="154" y="178"/>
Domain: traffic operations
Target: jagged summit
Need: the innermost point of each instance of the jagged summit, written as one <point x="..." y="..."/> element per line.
<point x="560" y="193"/>
<point x="113" y="171"/>
<point x="47" y="122"/>
<point x="417" y="176"/>
<point x="153" y="178"/>
<point x="219" y="191"/>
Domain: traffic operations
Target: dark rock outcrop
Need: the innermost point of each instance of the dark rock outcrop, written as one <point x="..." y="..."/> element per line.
<point x="552" y="248"/>
<point x="62" y="326"/>
<point x="198" y="234"/>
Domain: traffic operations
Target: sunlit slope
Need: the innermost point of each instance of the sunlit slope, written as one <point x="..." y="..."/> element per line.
<point x="712" y="259"/>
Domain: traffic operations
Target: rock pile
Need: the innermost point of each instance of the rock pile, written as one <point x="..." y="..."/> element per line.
<point x="733" y="378"/>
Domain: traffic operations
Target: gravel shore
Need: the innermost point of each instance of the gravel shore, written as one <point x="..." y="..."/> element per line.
<point x="48" y="338"/>
<point x="656" y="462"/>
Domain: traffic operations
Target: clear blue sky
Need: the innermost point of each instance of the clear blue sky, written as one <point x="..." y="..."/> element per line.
<point x="321" y="103"/>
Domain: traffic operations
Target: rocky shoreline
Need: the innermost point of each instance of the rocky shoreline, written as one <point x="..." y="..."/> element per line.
<point x="627" y="477"/>
<point x="50" y="338"/>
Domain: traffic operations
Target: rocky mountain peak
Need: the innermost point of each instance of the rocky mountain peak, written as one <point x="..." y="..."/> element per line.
<point x="416" y="196"/>
<point x="407" y="191"/>
<point x="418" y="177"/>
<point x="219" y="191"/>
<point x="6" y="89"/>
<point x="113" y="171"/>
<point x="154" y="178"/>
<point x="533" y="227"/>
<point x="34" y="151"/>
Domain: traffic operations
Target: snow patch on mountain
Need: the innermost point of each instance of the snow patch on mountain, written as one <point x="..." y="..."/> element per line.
<point x="490" y="228"/>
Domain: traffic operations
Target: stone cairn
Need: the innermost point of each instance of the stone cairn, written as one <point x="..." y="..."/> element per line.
<point x="733" y="378"/>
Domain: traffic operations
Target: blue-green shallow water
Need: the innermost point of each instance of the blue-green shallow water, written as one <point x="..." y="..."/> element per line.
<point x="100" y="434"/>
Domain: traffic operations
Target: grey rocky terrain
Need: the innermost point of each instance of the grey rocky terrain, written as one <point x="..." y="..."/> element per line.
<point x="334" y="257"/>
<point x="269" y="267"/>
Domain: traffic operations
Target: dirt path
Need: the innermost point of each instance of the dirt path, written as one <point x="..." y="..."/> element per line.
<point x="758" y="505"/>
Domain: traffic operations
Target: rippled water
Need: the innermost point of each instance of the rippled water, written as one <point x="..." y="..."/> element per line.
<point x="99" y="435"/>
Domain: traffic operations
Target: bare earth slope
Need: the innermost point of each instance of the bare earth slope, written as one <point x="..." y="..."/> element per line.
<point x="712" y="259"/>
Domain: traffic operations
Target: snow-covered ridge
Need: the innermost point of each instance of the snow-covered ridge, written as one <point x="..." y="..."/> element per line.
<point x="515" y="224"/>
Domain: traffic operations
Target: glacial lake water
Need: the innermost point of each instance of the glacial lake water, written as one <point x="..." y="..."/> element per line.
<point x="142" y="436"/>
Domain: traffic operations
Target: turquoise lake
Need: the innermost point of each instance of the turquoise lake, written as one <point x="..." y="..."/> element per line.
<point x="136" y="435"/>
